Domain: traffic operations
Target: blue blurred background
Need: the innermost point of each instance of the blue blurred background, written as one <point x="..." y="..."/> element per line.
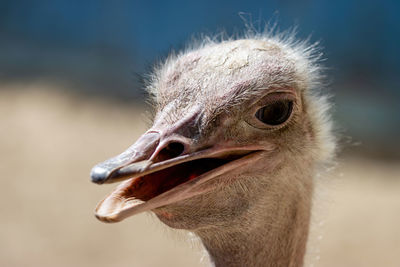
<point x="71" y="96"/>
<point x="98" y="47"/>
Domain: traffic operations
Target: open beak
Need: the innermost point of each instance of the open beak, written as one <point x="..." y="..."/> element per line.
<point x="150" y="181"/>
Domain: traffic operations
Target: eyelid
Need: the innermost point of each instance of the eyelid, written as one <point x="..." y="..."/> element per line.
<point x="274" y="97"/>
<point x="289" y="92"/>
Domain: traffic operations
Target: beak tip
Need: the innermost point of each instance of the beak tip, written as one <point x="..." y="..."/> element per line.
<point x="107" y="219"/>
<point x="99" y="175"/>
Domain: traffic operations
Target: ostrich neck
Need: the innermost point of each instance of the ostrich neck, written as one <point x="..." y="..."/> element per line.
<point x="275" y="236"/>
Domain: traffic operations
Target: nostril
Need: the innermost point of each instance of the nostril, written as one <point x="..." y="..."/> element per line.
<point x="174" y="149"/>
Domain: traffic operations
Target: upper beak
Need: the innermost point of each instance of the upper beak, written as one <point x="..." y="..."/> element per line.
<point x="110" y="171"/>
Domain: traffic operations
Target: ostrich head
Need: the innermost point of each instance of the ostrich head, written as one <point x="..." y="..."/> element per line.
<point x="237" y="133"/>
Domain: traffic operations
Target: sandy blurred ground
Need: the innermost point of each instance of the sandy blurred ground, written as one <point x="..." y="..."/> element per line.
<point x="49" y="140"/>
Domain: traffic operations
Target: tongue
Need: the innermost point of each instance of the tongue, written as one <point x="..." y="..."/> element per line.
<point x="151" y="185"/>
<point x="154" y="184"/>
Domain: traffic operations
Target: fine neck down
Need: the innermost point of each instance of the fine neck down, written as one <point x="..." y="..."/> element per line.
<point x="271" y="234"/>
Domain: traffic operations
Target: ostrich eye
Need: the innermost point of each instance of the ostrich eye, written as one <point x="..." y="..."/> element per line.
<point x="275" y="113"/>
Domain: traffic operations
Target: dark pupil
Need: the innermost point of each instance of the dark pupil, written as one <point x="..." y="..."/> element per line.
<point x="275" y="113"/>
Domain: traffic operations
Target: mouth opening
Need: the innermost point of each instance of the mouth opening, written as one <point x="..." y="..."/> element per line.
<point x="151" y="185"/>
<point x="163" y="187"/>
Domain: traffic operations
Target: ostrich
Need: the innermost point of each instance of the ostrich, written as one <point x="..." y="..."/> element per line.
<point x="238" y="133"/>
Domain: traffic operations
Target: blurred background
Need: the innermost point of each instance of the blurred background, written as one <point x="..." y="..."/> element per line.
<point x="71" y="96"/>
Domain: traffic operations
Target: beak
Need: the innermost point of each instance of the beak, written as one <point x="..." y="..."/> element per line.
<point x="155" y="175"/>
<point x="110" y="171"/>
